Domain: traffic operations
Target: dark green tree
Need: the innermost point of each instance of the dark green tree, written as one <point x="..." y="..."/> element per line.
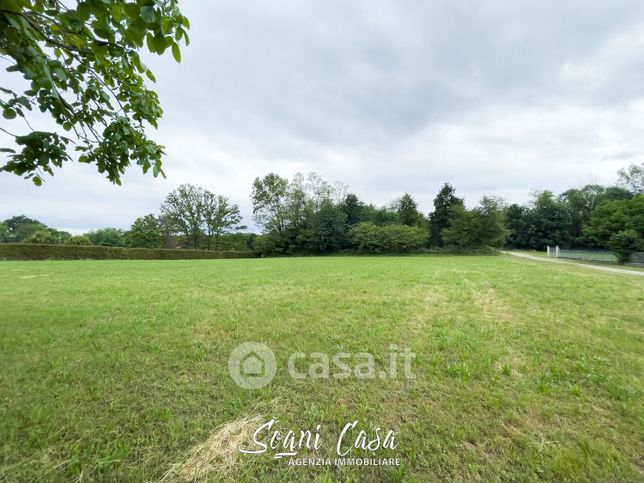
<point x="220" y="217"/>
<point x="490" y="218"/>
<point x="109" y="237"/>
<point x="184" y="206"/>
<point x="366" y="237"/>
<point x="270" y="208"/>
<point x="169" y="231"/>
<point x="353" y="208"/>
<point x="45" y="237"/>
<point x="384" y="215"/>
<point x="579" y="204"/>
<point x="516" y="222"/>
<point x="82" y="68"/>
<point x="613" y="193"/>
<point x="78" y="240"/>
<point x="407" y="211"/>
<point x="330" y="227"/>
<point x="614" y="216"/>
<point x="439" y="219"/>
<point x="20" y="227"/>
<point x="265" y="244"/>
<point x="624" y="243"/>
<point x="145" y="232"/>
<point x="480" y="227"/>
<point x="547" y="222"/>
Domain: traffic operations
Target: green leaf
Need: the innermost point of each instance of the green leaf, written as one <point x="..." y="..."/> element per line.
<point x="148" y="14"/>
<point x="158" y="44"/>
<point x="37" y="181"/>
<point x="83" y="11"/>
<point x="176" y="53"/>
<point x="166" y="25"/>
<point x="115" y="11"/>
<point x="150" y="75"/>
<point x="8" y="113"/>
<point x="149" y="40"/>
<point x="131" y="11"/>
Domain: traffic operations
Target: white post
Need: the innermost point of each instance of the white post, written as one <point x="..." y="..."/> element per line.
<point x="557" y="251"/>
<point x="548" y="250"/>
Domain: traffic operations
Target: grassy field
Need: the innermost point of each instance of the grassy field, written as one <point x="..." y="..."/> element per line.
<point x="117" y="370"/>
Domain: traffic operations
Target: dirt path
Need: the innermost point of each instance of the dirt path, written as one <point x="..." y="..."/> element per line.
<point x="595" y="267"/>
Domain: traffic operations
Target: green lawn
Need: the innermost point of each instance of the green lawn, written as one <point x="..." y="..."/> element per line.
<point x="117" y="370"/>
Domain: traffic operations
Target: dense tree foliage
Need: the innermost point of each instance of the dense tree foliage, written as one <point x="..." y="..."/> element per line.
<point x="304" y="214"/>
<point x="42" y="236"/>
<point x="614" y="216"/>
<point x="145" y="232"/>
<point x="439" y="219"/>
<point x="78" y="240"/>
<point x="392" y="238"/>
<point x="107" y="237"/>
<point x="329" y="227"/>
<point x="220" y="217"/>
<point x="82" y="66"/>
<point x="624" y="243"/>
<point x="200" y="216"/>
<point x="269" y="202"/>
<point x="483" y="226"/>
<point x="353" y="208"/>
<point x="184" y="206"/>
<point x="544" y="221"/>
<point x="407" y="211"/>
<point x="17" y="228"/>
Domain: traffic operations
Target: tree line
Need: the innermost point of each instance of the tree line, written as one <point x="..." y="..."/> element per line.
<point x="190" y="217"/>
<point x="308" y="215"/>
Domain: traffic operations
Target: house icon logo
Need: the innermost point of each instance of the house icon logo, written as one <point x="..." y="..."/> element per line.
<point x="252" y="365"/>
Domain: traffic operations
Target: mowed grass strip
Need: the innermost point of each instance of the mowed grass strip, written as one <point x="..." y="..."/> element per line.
<point x="117" y="370"/>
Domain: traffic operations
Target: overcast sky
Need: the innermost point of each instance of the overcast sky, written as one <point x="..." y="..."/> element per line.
<point x="499" y="97"/>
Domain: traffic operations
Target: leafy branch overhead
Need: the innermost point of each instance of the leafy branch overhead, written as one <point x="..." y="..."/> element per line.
<point x="82" y="62"/>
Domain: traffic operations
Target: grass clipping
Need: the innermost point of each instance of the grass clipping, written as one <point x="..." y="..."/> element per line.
<point x="218" y="455"/>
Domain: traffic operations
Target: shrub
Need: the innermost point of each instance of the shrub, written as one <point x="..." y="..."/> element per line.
<point x="456" y="250"/>
<point x="41" y="236"/>
<point x="480" y="227"/>
<point x="24" y="251"/>
<point x="611" y="217"/>
<point x="109" y="237"/>
<point x="264" y="244"/>
<point x="78" y="240"/>
<point x="369" y="238"/>
<point x="624" y="243"/>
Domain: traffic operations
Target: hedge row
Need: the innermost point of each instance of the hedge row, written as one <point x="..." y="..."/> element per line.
<point x="28" y="251"/>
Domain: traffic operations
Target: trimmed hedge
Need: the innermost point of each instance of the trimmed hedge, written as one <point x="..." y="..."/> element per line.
<point x="453" y="250"/>
<point x="29" y="251"/>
